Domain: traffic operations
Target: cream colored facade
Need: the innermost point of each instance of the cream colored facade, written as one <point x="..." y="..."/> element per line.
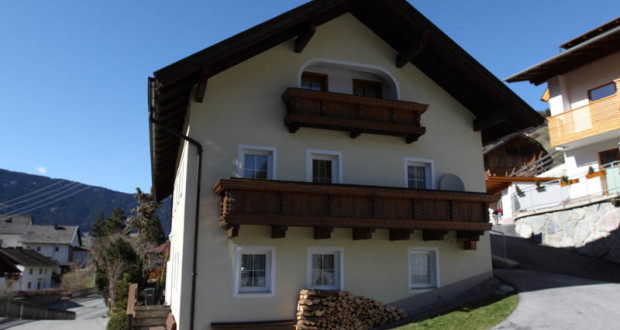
<point x="243" y="106"/>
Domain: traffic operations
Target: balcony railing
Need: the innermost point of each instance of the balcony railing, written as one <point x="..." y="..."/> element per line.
<point x="280" y="204"/>
<point x="595" y="118"/>
<point x="352" y="113"/>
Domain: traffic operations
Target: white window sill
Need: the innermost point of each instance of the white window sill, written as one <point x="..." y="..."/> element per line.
<point x="254" y="294"/>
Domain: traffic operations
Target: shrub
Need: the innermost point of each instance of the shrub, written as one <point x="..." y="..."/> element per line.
<point x="118" y="320"/>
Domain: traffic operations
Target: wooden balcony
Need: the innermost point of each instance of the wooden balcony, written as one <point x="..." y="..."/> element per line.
<point x="281" y="204"/>
<point x="353" y="114"/>
<point x="595" y="118"/>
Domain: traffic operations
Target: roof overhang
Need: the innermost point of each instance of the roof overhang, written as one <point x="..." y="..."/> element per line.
<point x="583" y="53"/>
<point x="497" y="109"/>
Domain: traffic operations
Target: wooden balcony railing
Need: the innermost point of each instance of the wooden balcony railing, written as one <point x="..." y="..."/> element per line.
<point x="281" y="204"/>
<point x="352" y="113"/>
<point x="595" y="118"/>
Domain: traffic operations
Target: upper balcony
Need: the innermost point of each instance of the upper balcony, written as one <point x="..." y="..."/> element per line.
<point x="596" y="118"/>
<point x="352" y="113"/>
<point x="280" y="204"/>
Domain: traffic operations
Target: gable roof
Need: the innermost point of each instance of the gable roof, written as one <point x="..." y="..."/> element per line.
<point x="26" y="257"/>
<point x="587" y="48"/>
<point x="521" y="136"/>
<point x="51" y="234"/>
<point x="499" y="111"/>
<point x="15" y="224"/>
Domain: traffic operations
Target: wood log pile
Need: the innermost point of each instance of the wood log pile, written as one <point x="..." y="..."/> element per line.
<point x="319" y="309"/>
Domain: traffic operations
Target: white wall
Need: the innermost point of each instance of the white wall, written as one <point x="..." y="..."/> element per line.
<point x="10" y="240"/>
<point x="45" y="278"/>
<point x="49" y="250"/>
<point x="578" y="160"/>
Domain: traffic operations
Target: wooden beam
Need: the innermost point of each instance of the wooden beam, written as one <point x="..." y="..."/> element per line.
<point x="400" y="234"/>
<point x="362" y="233"/>
<point x="497" y="117"/>
<point x="232" y="231"/>
<point x="278" y="231"/>
<point x="433" y="235"/>
<point x="468" y="235"/>
<point x="415" y="49"/>
<point x="201" y="89"/>
<point x="469" y="245"/>
<point x="323" y="232"/>
<point x="304" y="37"/>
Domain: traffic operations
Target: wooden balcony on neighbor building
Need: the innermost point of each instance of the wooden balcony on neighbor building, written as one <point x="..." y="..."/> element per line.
<point x="282" y="204"/>
<point x="598" y="117"/>
<point x="352" y="113"/>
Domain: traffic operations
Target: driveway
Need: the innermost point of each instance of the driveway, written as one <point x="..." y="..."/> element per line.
<point x="91" y="314"/>
<point x="559" y="288"/>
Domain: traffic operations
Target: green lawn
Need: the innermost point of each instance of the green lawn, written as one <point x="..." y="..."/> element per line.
<point x="482" y="315"/>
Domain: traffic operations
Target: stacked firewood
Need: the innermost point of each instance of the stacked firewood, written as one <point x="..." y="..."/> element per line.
<point x="319" y="309"/>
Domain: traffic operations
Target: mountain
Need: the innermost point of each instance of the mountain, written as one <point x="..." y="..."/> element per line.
<point x="64" y="202"/>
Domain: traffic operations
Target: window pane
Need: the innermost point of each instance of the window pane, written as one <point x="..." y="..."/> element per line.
<point x="416" y="176"/>
<point x="249" y="161"/>
<point x="321" y="171"/>
<point x="420" y="268"/>
<point x="261" y="162"/>
<point x="603" y="91"/>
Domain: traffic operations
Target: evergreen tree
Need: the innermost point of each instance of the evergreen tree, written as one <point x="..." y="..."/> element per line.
<point x="144" y="220"/>
<point x="116" y="222"/>
<point x="99" y="227"/>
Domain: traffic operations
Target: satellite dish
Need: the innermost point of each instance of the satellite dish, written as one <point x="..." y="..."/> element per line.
<point x="451" y="182"/>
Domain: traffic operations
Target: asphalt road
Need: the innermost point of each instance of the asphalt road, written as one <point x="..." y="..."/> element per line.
<point x="559" y="288"/>
<point x="91" y="314"/>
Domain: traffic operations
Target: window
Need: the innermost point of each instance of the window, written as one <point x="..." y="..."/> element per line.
<point x="367" y="88"/>
<point x="29" y="285"/>
<point x="38" y="285"/>
<point x="314" y="81"/>
<point x="419" y="173"/>
<point x="257" y="162"/>
<point x="423" y="268"/>
<point x="323" y="166"/>
<point x="254" y="271"/>
<point x="56" y="249"/>
<point x="38" y="248"/>
<point x="609" y="156"/>
<point x="40" y="271"/>
<point x="325" y="268"/>
<point x="30" y="271"/>
<point x="602" y="91"/>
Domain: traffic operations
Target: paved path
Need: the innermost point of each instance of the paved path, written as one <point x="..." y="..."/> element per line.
<point x="559" y="288"/>
<point x="91" y="314"/>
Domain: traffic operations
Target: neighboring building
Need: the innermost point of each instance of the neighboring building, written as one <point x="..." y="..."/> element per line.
<point x="35" y="270"/>
<point x="583" y="82"/>
<point x="12" y="227"/>
<point x="155" y="259"/>
<point x="53" y="241"/>
<point x="381" y="110"/>
<point x="509" y="155"/>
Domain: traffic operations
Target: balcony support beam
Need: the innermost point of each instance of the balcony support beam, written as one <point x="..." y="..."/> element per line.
<point x="433" y="235"/>
<point x="232" y="231"/>
<point x="278" y="231"/>
<point x="468" y="235"/>
<point x="323" y="232"/>
<point x="400" y="234"/>
<point x="362" y="233"/>
<point x="304" y="37"/>
<point x="469" y="245"/>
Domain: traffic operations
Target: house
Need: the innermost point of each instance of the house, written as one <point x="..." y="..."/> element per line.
<point x="34" y="271"/>
<point x="511" y="154"/>
<point x="309" y="152"/>
<point x="12" y="227"/>
<point x="53" y="241"/>
<point x="582" y="82"/>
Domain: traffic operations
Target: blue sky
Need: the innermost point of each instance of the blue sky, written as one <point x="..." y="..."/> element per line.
<point x="73" y="73"/>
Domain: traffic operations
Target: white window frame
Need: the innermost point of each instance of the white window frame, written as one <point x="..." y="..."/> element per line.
<point x="417" y="288"/>
<point x="334" y="156"/>
<point x="270" y="268"/>
<point x="430" y="170"/>
<point x="257" y="150"/>
<point x="339" y="252"/>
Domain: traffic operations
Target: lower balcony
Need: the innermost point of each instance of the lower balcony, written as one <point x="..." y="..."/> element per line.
<point x="281" y="204"/>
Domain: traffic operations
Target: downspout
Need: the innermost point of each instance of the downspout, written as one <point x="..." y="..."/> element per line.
<point x="199" y="149"/>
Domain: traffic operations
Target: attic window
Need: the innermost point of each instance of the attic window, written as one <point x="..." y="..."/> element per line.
<point x="368" y="88"/>
<point x="314" y="81"/>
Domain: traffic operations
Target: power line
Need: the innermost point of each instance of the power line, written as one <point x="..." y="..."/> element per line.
<point x="19" y="209"/>
<point x="56" y="190"/>
<point x="33" y="192"/>
<point x="52" y="202"/>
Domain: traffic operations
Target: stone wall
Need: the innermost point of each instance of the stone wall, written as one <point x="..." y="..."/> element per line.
<point x="591" y="229"/>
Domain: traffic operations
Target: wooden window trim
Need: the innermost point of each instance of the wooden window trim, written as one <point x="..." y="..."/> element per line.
<point x="599" y="86"/>
<point x="377" y="85"/>
<point x="322" y="77"/>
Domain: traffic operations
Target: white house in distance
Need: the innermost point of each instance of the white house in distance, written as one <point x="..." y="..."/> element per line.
<point x="583" y="82"/>
<point x="53" y="241"/>
<point x="35" y="270"/>
<point x="12" y="227"/>
<point x="309" y="151"/>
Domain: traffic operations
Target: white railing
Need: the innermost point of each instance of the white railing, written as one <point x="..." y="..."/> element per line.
<point x="555" y="193"/>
